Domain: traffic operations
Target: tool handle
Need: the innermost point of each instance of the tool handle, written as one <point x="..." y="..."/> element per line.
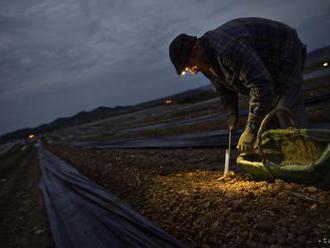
<point x="229" y="142"/>
<point x="227" y="160"/>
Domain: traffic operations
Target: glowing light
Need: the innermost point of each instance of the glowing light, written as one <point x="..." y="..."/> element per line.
<point x="168" y="101"/>
<point x="31" y="136"/>
<point x="183" y="72"/>
<point x="325" y="64"/>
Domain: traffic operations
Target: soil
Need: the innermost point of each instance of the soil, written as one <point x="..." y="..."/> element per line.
<point x="22" y="213"/>
<point x="183" y="191"/>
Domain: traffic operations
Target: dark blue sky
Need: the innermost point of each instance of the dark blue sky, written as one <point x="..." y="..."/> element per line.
<point x="60" y="57"/>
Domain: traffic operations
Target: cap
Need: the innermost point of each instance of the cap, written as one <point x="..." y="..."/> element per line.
<point x="179" y="51"/>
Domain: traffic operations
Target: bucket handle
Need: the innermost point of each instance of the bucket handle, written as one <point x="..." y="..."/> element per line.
<point x="264" y="125"/>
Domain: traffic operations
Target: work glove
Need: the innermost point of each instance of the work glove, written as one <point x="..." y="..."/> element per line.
<point x="232" y="123"/>
<point x="247" y="140"/>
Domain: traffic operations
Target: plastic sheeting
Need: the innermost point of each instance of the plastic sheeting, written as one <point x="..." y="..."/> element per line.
<point x="83" y="214"/>
<point x="218" y="138"/>
<point x="206" y="139"/>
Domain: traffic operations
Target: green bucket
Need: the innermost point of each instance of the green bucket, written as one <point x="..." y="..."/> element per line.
<point x="292" y="154"/>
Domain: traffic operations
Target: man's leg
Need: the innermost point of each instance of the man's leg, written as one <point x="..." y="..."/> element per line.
<point x="292" y="99"/>
<point x="292" y="95"/>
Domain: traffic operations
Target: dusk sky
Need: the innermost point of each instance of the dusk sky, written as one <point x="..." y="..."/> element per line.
<point x="61" y="57"/>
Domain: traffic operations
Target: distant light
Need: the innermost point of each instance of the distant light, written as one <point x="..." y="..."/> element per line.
<point x="183" y="73"/>
<point x="31" y="136"/>
<point x="325" y="64"/>
<point x="168" y="101"/>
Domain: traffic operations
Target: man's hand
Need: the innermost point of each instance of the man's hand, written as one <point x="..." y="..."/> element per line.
<point x="232" y="123"/>
<point x="246" y="141"/>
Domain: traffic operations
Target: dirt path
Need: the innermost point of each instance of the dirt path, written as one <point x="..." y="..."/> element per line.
<point x="23" y="220"/>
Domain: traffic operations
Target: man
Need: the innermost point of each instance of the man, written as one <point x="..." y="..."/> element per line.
<point x="252" y="56"/>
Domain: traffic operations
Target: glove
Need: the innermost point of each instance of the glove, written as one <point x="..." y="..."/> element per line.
<point x="247" y="140"/>
<point x="232" y="123"/>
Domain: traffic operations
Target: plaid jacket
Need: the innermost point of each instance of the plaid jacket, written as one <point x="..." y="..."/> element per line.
<point x="251" y="56"/>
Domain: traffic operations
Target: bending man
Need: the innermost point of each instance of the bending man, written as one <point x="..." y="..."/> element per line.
<point x="253" y="56"/>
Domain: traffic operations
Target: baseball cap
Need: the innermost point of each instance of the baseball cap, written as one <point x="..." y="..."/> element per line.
<point x="179" y="51"/>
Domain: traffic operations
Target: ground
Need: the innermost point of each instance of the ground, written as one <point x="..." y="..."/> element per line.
<point x="22" y="213"/>
<point x="183" y="191"/>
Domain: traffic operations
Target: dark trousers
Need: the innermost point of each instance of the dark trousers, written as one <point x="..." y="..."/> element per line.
<point x="291" y="95"/>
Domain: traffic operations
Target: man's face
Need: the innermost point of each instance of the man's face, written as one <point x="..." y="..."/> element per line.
<point x="196" y="61"/>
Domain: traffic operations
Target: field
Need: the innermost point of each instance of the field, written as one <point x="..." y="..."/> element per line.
<point x="182" y="189"/>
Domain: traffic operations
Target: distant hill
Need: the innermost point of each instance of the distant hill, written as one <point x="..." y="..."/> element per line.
<point x="100" y="113"/>
<point x="314" y="60"/>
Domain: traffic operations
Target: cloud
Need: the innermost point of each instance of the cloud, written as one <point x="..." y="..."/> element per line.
<point x="61" y="57"/>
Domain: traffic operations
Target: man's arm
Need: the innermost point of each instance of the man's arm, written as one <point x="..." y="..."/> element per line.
<point x="228" y="100"/>
<point x="229" y="104"/>
<point x="242" y="58"/>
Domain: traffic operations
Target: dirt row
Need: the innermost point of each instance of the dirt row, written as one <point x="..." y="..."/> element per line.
<point x="23" y="220"/>
<point x="183" y="191"/>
